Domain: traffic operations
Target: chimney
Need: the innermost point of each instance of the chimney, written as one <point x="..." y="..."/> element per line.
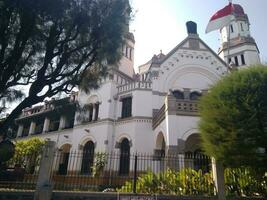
<point x="191" y="28"/>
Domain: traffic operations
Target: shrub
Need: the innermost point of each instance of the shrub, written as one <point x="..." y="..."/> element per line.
<point x="183" y="182"/>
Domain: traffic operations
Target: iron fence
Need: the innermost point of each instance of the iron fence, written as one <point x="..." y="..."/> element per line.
<point x="89" y="171"/>
<point x="20" y="172"/>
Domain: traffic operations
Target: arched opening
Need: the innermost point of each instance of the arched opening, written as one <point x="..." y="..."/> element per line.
<point x="195" y="95"/>
<point x="160" y="145"/>
<point x="194" y="156"/>
<point x="124" y="157"/>
<point x="178" y="94"/>
<point x="64" y="159"/>
<point x="88" y="158"/>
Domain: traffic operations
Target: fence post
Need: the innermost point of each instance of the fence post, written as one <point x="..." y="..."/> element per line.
<point x="43" y="187"/>
<point x="135" y="174"/>
<point x="218" y="176"/>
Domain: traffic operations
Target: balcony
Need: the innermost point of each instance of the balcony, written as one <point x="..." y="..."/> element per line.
<point x="173" y="106"/>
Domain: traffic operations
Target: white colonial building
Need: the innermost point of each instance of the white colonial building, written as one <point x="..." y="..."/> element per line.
<point x="153" y="111"/>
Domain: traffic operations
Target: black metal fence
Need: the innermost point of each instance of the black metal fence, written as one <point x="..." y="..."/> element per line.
<point x="89" y="171"/>
<point x="20" y="172"/>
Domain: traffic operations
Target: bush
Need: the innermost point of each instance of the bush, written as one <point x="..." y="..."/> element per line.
<point x="183" y="182"/>
<point x="245" y="182"/>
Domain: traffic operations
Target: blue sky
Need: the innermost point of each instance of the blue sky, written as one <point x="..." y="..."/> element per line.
<point x="160" y="24"/>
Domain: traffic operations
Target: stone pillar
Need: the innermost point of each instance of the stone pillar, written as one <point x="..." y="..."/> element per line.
<point x="32" y="128"/>
<point x="44" y="187"/>
<point x="172" y="157"/>
<point x="46" y="125"/>
<point x="186" y="93"/>
<point x="62" y="122"/>
<point x="20" y="130"/>
<point x="218" y="176"/>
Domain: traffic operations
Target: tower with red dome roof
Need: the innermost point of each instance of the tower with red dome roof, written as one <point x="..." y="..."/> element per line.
<point x="238" y="47"/>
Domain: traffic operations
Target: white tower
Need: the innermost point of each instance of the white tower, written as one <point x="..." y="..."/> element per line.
<point x="126" y="64"/>
<point x="242" y="48"/>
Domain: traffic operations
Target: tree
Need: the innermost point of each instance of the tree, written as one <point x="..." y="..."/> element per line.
<point x="233" y="123"/>
<point x="53" y="45"/>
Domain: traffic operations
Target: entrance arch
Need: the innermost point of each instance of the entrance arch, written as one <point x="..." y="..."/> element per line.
<point x="124" y="157"/>
<point x="194" y="156"/>
<point x="160" y="145"/>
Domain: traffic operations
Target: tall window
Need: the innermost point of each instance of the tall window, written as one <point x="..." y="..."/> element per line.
<point x="96" y="111"/>
<point x="124" y="157"/>
<point x="236" y="61"/>
<point x="91" y="108"/>
<point x="241" y="24"/>
<point x="88" y="158"/>
<point x="231" y="28"/>
<point x="126" y="107"/>
<point x="243" y="59"/>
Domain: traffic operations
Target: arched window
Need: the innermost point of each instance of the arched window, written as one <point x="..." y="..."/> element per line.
<point x="124" y="157"/>
<point x="88" y="158"/>
<point x="178" y="94"/>
<point x="195" y="95"/>
<point x="64" y="159"/>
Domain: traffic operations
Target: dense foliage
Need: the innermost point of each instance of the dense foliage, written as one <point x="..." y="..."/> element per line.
<point x="55" y="45"/>
<point x="27" y="153"/>
<point x="245" y="182"/>
<point x="238" y="182"/>
<point x="183" y="182"/>
<point x="233" y="123"/>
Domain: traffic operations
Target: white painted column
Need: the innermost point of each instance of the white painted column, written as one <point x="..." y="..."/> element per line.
<point x="62" y="122"/>
<point x="32" y="128"/>
<point x="46" y="125"/>
<point x="20" y="130"/>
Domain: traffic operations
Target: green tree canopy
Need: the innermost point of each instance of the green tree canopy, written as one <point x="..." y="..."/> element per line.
<point x="52" y="45"/>
<point x="233" y="123"/>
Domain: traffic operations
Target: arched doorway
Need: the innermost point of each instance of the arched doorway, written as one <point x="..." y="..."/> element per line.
<point x="124" y="157"/>
<point x="160" y="146"/>
<point x="64" y="159"/>
<point x="88" y="158"/>
<point x="194" y="156"/>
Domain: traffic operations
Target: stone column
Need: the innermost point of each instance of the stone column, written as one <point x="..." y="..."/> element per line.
<point x="62" y="122"/>
<point x="32" y="128"/>
<point x="44" y="187"/>
<point x="20" y="130"/>
<point x="46" y="125"/>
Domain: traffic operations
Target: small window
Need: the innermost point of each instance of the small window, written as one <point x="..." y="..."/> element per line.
<point x="178" y="94"/>
<point x="236" y="61"/>
<point x="243" y="59"/>
<point x="195" y="95"/>
<point x="231" y="28"/>
<point x="229" y="60"/>
<point x="126" y="107"/>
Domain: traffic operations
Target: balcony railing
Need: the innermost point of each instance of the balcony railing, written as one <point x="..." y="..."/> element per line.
<point x="173" y="106"/>
<point x="134" y="86"/>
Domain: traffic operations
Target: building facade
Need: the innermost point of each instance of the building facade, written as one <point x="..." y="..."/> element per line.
<point x="154" y="111"/>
